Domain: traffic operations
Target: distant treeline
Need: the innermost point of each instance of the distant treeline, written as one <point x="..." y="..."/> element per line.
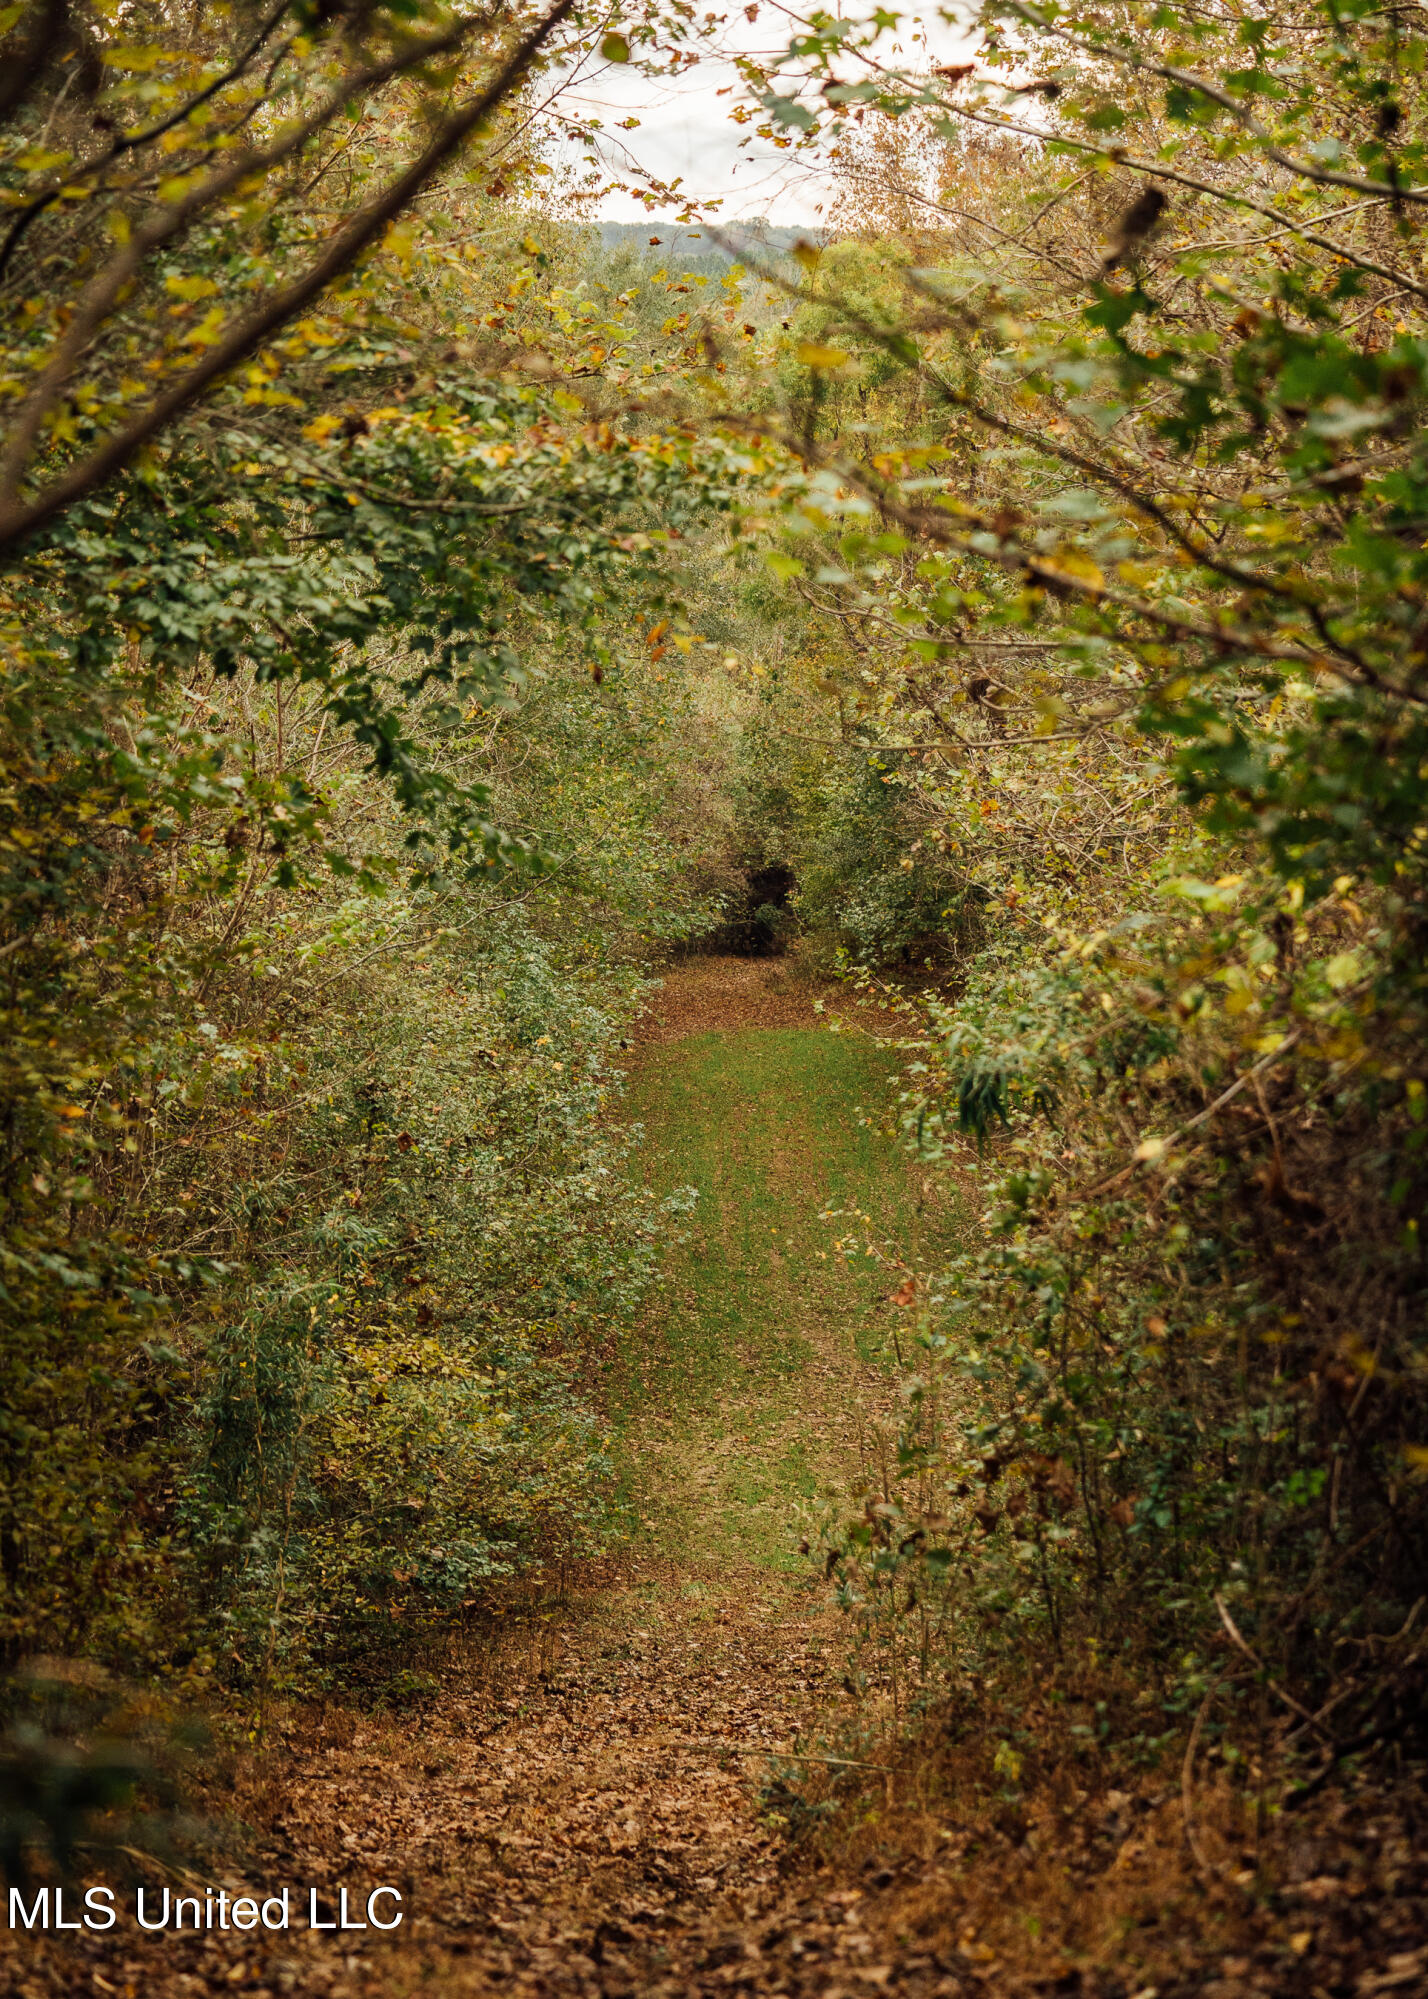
<point x="755" y="243"/>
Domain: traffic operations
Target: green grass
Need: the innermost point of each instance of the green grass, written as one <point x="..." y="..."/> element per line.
<point x="745" y="1388"/>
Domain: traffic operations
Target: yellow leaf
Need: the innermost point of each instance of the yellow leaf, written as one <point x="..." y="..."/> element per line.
<point x="208" y="331"/>
<point x="1343" y="969"/>
<point x="135" y="59"/>
<point x="1072" y="562"/>
<point x="1342" y="1047"/>
<point x="812" y="355"/>
<point x="191" y="288"/>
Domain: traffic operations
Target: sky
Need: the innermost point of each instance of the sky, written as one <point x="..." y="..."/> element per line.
<point x="685" y="131"/>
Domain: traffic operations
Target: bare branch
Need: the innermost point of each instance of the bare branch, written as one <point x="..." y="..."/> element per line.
<point x="1000" y="122"/>
<point x="251" y="332"/>
<point x="1188" y="80"/>
<point x="993" y="229"/>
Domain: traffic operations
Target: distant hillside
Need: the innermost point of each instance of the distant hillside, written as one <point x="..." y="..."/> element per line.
<point x="758" y="241"/>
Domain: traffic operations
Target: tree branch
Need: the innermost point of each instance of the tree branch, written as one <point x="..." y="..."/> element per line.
<point x="1188" y="80"/>
<point x="22" y="519"/>
<point x="1158" y="169"/>
<point x="1064" y="582"/>
<point x="47" y="197"/>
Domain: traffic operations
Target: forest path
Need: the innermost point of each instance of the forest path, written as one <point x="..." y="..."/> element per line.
<point x="581" y="1809"/>
<point x="589" y="1805"/>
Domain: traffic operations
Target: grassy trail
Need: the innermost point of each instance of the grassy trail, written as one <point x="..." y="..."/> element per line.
<point x="747" y="1387"/>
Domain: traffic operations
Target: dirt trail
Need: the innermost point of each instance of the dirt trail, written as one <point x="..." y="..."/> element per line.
<point x="584" y="1808"/>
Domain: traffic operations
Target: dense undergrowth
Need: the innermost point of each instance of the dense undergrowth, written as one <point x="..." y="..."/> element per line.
<point x="342" y="1209"/>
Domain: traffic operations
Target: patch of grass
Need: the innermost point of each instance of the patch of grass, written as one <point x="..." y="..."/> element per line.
<point x="740" y="1393"/>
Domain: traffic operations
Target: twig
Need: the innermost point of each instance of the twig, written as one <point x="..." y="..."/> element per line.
<point x="1022" y="561"/>
<point x="1158" y="169"/>
<point x="1237" y="1639"/>
<point x="1240" y="1082"/>
<point x="266" y="319"/>
<point x="1187" y="1783"/>
<point x="966" y="215"/>
<point x="346" y="971"/>
<point x="1240" y="112"/>
<point x="1368" y="1739"/>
